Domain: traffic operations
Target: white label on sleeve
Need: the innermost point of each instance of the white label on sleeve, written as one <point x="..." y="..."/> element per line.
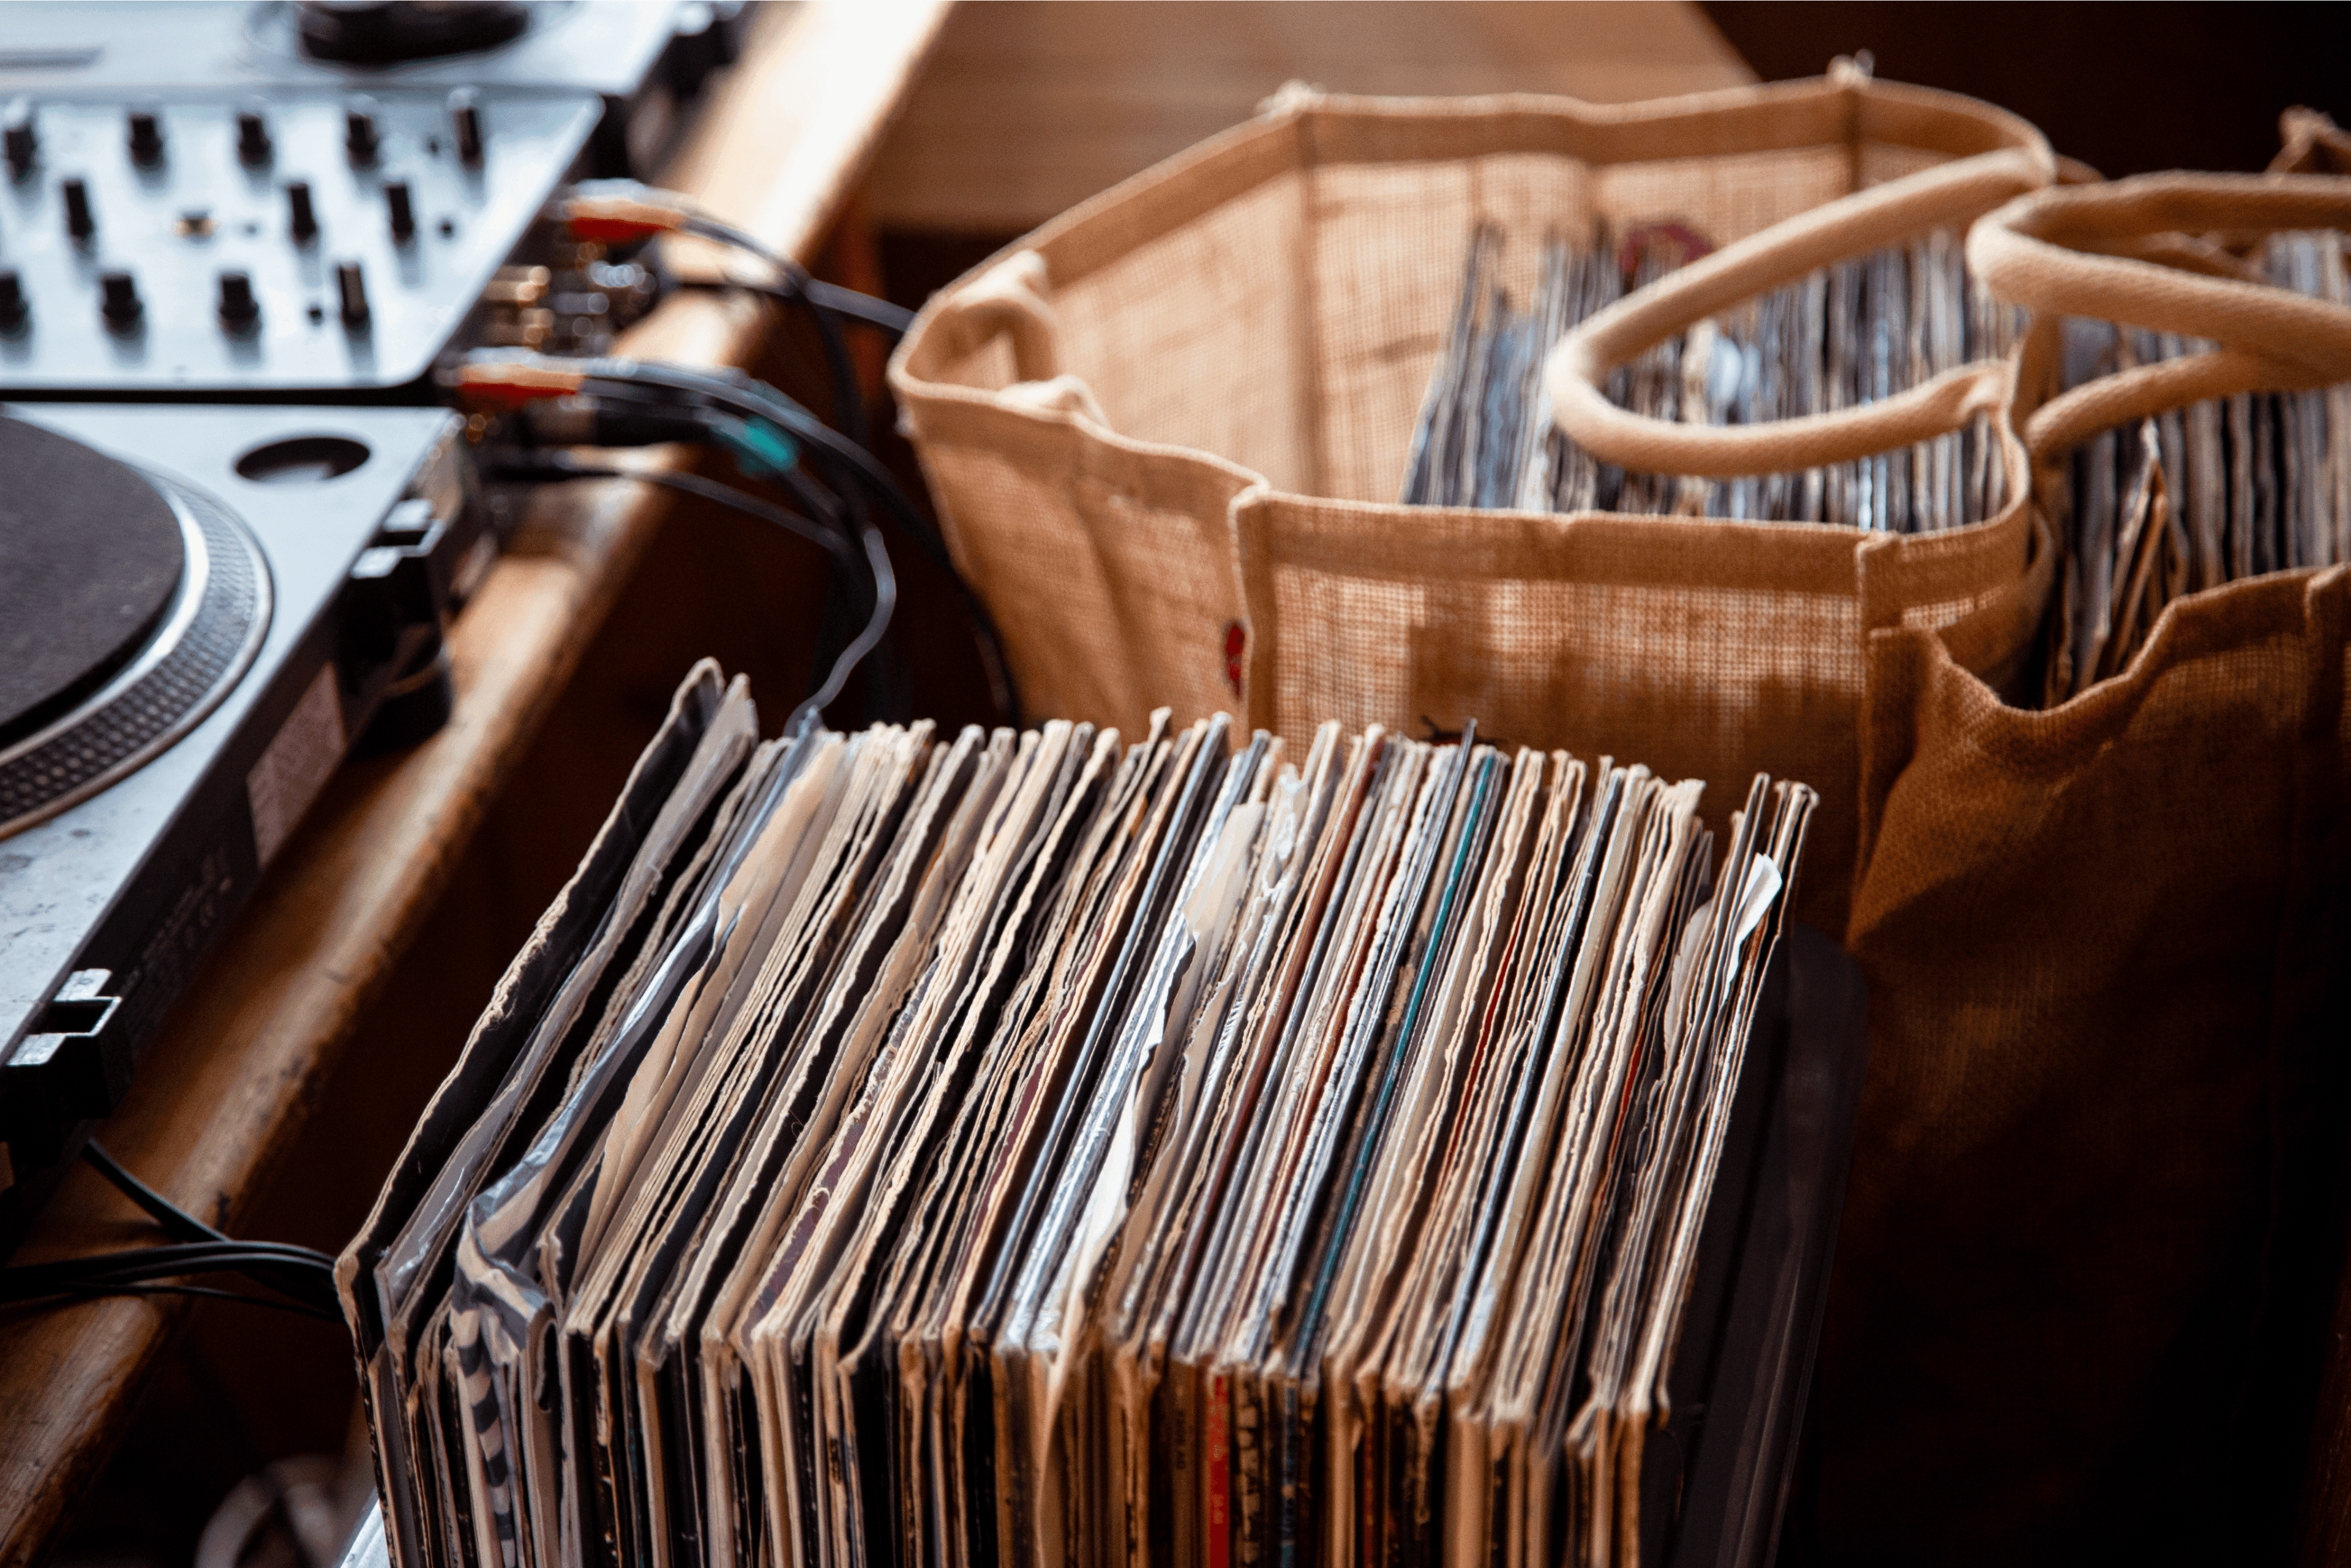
<point x="288" y="777"/>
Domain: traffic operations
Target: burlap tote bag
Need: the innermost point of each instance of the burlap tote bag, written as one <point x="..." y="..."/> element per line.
<point x="1164" y="433"/>
<point x="2092" y="1229"/>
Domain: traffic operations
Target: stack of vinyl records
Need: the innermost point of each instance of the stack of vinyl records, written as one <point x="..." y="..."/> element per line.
<point x="1058" y="1146"/>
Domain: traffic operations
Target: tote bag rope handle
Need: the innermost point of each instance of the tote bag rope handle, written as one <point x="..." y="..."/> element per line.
<point x="2129" y="252"/>
<point x="1011" y="298"/>
<point x="1953" y="194"/>
<point x="2311" y="143"/>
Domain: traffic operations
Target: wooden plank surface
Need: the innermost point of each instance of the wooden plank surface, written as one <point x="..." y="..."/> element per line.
<point x="253" y="1044"/>
<point x="1027" y="108"/>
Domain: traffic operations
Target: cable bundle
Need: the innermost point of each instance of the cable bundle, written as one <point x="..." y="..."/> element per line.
<point x="829" y="474"/>
<point x="297" y="1279"/>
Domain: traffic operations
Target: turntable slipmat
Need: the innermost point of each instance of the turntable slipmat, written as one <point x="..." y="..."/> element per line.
<point x="118" y="638"/>
<point x="89" y="558"/>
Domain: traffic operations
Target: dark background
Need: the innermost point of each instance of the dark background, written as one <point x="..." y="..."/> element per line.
<point x="2127" y="88"/>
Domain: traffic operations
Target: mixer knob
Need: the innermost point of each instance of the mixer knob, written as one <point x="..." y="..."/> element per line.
<point x="253" y="136"/>
<point x="401" y="208"/>
<point x="360" y="135"/>
<point x="302" y="218"/>
<point x="79" y="224"/>
<point x="21" y="138"/>
<point x="238" y="308"/>
<point x="350" y="291"/>
<point x="146" y="137"/>
<point x="465" y="124"/>
<point x="119" y="301"/>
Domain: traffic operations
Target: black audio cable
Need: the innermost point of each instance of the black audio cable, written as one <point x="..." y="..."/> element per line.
<point x="624" y="212"/>
<point x="742" y="395"/>
<point x="301" y="1278"/>
<point x="647" y="416"/>
<point x="882" y="315"/>
<point x="638" y="416"/>
<point x="826" y="305"/>
<point x="881" y="581"/>
<point x="511" y="380"/>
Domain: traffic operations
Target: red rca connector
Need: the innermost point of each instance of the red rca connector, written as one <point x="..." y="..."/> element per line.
<point x="506" y="384"/>
<point x="611" y="216"/>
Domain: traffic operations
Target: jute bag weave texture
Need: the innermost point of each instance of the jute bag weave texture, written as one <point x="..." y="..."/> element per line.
<point x="1164" y="433"/>
<point x="2093" y="1226"/>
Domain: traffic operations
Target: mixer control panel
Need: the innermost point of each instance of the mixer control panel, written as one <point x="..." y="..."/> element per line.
<point x="318" y="242"/>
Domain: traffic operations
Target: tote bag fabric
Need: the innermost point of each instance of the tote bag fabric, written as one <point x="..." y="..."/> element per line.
<point x="2092" y="1229"/>
<point x="1165" y="434"/>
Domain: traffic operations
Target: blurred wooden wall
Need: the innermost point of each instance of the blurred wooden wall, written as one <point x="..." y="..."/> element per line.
<point x="1028" y="108"/>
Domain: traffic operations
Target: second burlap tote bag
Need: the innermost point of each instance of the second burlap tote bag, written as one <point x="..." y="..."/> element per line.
<point x="2094" y="1216"/>
<point x="1165" y="433"/>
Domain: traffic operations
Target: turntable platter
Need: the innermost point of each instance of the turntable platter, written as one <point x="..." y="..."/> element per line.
<point x="129" y="605"/>
<point x="90" y="555"/>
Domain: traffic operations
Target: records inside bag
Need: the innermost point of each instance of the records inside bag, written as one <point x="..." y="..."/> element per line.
<point x="1064" y="1146"/>
<point x="2190" y="498"/>
<point x="1856" y="332"/>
